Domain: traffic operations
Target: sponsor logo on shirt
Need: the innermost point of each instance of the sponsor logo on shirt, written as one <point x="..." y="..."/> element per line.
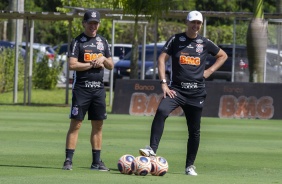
<point x="83" y="39"/>
<point x="182" y="39"/>
<point x="91" y="56"/>
<point x="92" y="45"/>
<point x="199" y="41"/>
<point x="92" y="84"/>
<point x="98" y="39"/>
<point x="189" y="85"/>
<point x="73" y="49"/>
<point x="190" y="46"/>
<point x="189" y="60"/>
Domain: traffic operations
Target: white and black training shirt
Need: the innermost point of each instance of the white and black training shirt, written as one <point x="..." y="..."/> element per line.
<point x="188" y="61"/>
<point x="87" y="49"/>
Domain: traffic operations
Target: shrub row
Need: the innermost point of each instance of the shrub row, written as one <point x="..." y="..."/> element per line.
<point x="44" y="76"/>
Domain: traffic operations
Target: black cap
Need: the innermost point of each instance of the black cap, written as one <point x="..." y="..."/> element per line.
<point x="91" y="16"/>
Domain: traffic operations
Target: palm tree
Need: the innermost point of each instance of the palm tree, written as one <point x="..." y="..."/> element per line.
<point x="257" y="43"/>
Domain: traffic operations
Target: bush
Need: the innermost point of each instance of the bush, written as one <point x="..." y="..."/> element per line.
<point x="46" y="74"/>
<point x="7" y="70"/>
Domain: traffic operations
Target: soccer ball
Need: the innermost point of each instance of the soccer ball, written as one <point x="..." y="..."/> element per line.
<point x="141" y="165"/>
<point x="124" y="164"/>
<point x="159" y="166"/>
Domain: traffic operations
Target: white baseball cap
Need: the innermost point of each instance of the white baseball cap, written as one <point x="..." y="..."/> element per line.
<point x="195" y="15"/>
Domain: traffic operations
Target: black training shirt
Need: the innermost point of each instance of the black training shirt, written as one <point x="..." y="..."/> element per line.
<point x="87" y="49"/>
<point x="188" y="60"/>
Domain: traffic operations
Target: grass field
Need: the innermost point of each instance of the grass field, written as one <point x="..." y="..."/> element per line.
<point x="232" y="151"/>
<point x="39" y="97"/>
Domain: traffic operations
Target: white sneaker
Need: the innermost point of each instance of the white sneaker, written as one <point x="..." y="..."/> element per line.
<point x="191" y="171"/>
<point x="147" y="152"/>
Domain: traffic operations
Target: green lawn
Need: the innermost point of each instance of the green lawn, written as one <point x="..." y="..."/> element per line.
<point x="39" y="97"/>
<point x="237" y="151"/>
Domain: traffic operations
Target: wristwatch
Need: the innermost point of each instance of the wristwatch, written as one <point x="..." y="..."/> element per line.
<point x="163" y="81"/>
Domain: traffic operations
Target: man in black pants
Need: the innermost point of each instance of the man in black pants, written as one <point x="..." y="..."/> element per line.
<point x="89" y="54"/>
<point x="188" y="51"/>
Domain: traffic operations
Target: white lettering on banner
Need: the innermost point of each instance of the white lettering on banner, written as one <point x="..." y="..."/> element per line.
<point x="144" y="87"/>
<point x="142" y="104"/>
<point x="229" y="89"/>
<point x="246" y="107"/>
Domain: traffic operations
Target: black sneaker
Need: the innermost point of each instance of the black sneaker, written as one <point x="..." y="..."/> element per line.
<point x="100" y="167"/>
<point x="67" y="165"/>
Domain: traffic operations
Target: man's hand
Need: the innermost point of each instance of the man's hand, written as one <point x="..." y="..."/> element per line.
<point x="207" y="73"/>
<point x="96" y="64"/>
<point x="167" y="91"/>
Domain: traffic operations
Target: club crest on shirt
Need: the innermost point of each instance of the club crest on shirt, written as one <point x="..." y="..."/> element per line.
<point x="182" y="39"/>
<point x="100" y="46"/>
<point x="74" y="111"/>
<point x="199" y="48"/>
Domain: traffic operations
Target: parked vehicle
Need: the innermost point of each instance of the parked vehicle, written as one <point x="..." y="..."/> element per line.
<point x="41" y="50"/>
<point x="241" y="65"/>
<point x="120" y="50"/>
<point x="62" y="50"/>
<point x="10" y="45"/>
<point x="273" y="65"/>
<point x="225" y="71"/>
<point x="122" y="67"/>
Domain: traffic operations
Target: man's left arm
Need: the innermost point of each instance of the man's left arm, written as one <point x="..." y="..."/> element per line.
<point x="103" y="62"/>
<point x="221" y="57"/>
<point x="108" y="63"/>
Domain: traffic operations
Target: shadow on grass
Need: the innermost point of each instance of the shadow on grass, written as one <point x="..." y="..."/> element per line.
<point x="29" y="166"/>
<point x="36" y="104"/>
<point x="111" y="169"/>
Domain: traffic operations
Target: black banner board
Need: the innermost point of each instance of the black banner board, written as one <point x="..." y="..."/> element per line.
<point x="224" y="99"/>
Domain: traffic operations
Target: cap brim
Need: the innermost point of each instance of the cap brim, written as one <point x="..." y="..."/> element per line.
<point x="195" y="19"/>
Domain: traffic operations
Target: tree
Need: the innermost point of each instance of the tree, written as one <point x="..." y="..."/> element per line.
<point x="257" y="43"/>
<point x="86" y="4"/>
<point x="151" y="9"/>
<point x="49" y="6"/>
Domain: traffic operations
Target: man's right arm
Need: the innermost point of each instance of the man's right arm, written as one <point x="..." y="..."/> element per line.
<point x="78" y="66"/>
<point x="161" y="65"/>
<point x="161" y="69"/>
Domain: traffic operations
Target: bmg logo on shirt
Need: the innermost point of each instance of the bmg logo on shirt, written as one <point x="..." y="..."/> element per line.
<point x="91" y="56"/>
<point x="189" y="60"/>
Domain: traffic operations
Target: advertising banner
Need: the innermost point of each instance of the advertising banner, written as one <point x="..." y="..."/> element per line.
<point x="224" y="99"/>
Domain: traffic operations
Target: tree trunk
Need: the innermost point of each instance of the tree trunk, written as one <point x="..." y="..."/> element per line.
<point x="279" y="27"/>
<point x="257" y="44"/>
<point x="134" y="52"/>
<point x="15" y="5"/>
